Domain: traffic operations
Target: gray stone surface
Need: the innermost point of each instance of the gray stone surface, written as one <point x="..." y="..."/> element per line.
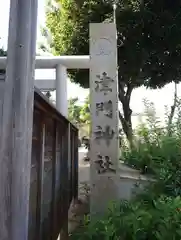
<point x="104" y="117"/>
<point x="128" y="177"/>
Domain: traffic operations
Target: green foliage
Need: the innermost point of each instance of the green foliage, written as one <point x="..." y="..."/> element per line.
<point x="74" y="111"/>
<point x="150" y="30"/>
<point x="149" y="50"/>
<point x="156" y="156"/>
<point x="69" y="26"/>
<point x="79" y="114"/>
<point x="154" y="147"/>
<point x="154" y="213"/>
<point x="159" y="219"/>
<point x="158" y="153"/>
<point x="85" y="111"/>
<point x="149" y="39"/>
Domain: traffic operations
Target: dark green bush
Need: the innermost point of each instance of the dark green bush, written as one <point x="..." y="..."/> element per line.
<point x="152" y="157"/>
<point x="155" y="148"/>
<point x="139" y="220"/>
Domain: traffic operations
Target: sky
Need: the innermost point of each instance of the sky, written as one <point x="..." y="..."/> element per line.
<point x="159" y="97"/>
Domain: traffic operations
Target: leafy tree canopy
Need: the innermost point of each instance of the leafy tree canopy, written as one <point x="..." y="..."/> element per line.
<point x="85" y="111"/>
<point x="74" y="110"/>
<point x="79" y="114"/>
<point x="149" y="37"/>
<point x="148" y="44"/>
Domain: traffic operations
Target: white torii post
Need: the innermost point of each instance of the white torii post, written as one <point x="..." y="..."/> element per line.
<point x="61" y="90"/>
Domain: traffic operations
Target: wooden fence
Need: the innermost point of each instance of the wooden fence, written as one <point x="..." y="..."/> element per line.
<point x="54" y="170"/>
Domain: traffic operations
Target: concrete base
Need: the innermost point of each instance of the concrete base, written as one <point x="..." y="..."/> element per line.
<point x="129" y="179"/>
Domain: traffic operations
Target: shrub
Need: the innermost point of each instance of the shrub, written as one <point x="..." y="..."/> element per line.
<point x="139" y="220"/>
<point x="155" y="213"/>
<point x="158" y="153"/>
<point x="155" y="149"/>
<point x="152" y="157"/>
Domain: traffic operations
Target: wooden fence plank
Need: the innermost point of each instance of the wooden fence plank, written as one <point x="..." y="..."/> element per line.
<point x="40" y="180"/>
<point x="54" y="193"/>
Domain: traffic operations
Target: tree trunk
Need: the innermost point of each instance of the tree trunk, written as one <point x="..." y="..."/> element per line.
<point x="125" y="118"/>
<point x="172" y="112"/>
<point x="127" y="125"/>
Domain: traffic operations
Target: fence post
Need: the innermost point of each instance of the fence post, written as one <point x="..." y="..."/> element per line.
<point x="40" y="179"/>
<point x="54" y="193"/>
<point x="16" y="136"/>
<point x="69" y="162"/>
<point x="65" y="185"/>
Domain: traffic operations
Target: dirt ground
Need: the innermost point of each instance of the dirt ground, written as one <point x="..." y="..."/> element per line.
<point x="81" y="208"/>
<point x="84" y="167"/>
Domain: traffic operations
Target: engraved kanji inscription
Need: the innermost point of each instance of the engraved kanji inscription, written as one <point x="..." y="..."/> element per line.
<point x="106" y="134"/>
<point x="104" y="164"/>
<point x="103" y="85"/>
<point x="105" y="107"/>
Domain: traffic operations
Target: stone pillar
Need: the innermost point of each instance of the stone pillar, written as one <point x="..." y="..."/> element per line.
<point x="104" y="117"/>
<point x="61" y="90"/>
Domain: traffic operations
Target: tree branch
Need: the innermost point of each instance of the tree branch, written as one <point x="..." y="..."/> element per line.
<point x="129" y="91"/>
<point x="123" y="122"/>
<point x="121" y="117"/>
<point x="170" y="118"/>
<point x="121" y="91"/>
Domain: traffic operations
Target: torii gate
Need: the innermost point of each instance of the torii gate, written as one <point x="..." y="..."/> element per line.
<point x="60" y="64"/>
<point x="17" y="115"/>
